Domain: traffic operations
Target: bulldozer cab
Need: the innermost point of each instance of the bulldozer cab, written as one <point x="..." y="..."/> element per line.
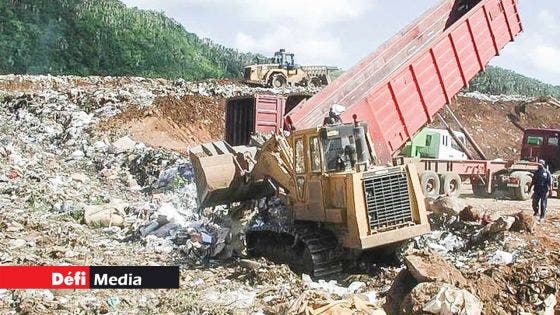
<point x="327" y="150"/>
<point x="332" y="149"/>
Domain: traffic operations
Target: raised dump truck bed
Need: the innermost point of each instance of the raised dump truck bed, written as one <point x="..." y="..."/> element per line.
<point x="400" y="87"/>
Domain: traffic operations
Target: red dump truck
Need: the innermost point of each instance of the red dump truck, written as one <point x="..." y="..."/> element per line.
<point x="402" y="86"/>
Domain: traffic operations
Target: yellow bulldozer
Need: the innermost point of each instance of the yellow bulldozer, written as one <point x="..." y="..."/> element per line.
<point x="281" y="71"/>
<point x="337" y="200"/>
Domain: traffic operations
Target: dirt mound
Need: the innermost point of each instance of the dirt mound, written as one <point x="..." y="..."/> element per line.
<point x="496" y="126"/>
<point x="173" y="123"/>
<point x="178" y="123"/>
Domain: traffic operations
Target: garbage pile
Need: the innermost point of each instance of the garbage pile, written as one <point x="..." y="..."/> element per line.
<point x="71" y="193"/>
<point x="498" y="98"/>
<point x="122" y="91"/>
<point x="473" y="261"/>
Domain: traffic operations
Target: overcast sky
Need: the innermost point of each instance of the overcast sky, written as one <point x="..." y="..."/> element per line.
<point x="340" y="33"/>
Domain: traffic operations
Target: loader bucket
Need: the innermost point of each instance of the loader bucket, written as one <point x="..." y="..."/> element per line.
<point x="220" y="175"/>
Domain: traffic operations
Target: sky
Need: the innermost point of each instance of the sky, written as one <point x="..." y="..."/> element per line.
<point x="340" y="33"/>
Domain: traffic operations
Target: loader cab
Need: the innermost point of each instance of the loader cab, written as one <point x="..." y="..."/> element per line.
<point x="284" y="59"/>
<point x="542" y="144"/>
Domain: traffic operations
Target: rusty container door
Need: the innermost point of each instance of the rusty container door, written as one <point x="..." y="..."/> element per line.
<point x="399" y="88"/>
<point x="248" y="115"/>
<point x="269" y="111"/>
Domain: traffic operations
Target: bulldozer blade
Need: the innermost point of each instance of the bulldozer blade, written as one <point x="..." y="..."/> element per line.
<point x="221" y="175"/>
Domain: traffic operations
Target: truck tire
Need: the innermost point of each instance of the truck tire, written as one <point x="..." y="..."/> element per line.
<point x="315" y="82"/>
<point x="278" y="80"/>
<point x="451" y="184"/>
<point x="430" y="184"/>
<point x="522" y="192"/>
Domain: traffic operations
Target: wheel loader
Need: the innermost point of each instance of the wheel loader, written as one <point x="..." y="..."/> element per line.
<point x="281" y="71"/>
<point x="337" y="201"/>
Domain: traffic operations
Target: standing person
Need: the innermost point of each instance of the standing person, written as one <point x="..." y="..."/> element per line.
<point x="542" y="182"/>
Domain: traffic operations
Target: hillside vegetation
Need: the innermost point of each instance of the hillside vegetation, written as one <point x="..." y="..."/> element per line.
<point x="498" y="81"/>
<point x="104" y="37"/>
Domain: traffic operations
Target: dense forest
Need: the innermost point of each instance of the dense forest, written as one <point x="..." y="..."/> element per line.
<point x="104" y="37"/>
<point x="501" y="81"/>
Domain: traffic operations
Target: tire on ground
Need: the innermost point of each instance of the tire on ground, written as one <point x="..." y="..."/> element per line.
<point x="451" y="184"/>
<point x="522" y="192"/>
<point x="430" y="184"/>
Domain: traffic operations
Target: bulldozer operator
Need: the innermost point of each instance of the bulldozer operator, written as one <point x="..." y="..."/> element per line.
<point x="334" y="115"/>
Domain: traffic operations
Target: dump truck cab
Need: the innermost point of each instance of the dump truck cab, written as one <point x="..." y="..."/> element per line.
<point x="435" y="144"/>
<point x="542" y="144"/>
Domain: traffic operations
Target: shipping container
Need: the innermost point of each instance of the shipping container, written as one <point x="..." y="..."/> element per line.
<point x="257" y="114"/>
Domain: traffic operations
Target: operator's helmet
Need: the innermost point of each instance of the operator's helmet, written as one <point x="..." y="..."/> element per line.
<point x="542" y="162"/>
<point x="337" y="109"/>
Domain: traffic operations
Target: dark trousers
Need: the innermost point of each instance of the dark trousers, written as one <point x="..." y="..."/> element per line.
<point x="540" y="199"/>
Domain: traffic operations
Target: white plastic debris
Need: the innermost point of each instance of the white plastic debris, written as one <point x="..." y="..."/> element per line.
<point x="497" y="98"/>
<point x="240" y="299"/>
<point x="549" y="305"/>
<point x="78" y="155"/>
<point x="124" y="144"/>
<point x="502" y="258"/>
<point x="170" y="213"/>
<point x="372" y="297"/>
<point x="332" y="286"/>
<point x="452" y="300"/>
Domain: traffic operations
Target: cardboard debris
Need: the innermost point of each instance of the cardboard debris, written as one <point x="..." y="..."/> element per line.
<point x="111" y="214"/>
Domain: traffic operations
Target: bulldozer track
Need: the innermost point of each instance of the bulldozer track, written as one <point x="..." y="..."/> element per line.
<point x="306" y="248"/>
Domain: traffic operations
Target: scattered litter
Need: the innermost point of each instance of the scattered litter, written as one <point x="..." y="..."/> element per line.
<point x="332" y="287"/>
<point x="498" y="98"/>
<point x="502" y="258"/>
<point x="60" y="168"/>
<point x="111" y="214"/>
<point x="451" y="300"/>
<point x="236" y="299"/>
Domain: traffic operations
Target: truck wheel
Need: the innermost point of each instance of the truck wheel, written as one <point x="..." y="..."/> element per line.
<point x="522" y="192"/>
<point x="451" y="184"/>
<point x="278" y="81"/>
<point x="430" y="184"/>
<point x="315" y="82"/>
